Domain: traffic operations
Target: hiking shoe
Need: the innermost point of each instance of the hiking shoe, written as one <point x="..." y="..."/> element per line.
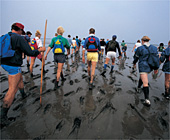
<point x="111" y="71"/>
<point x="91" y="86"/>
<point x="167" y="96"/>
<point x="147" y="102"/>
<point x="31" y="75"/>
<point x="63" y="79"/>
<point x="103" y="73"/>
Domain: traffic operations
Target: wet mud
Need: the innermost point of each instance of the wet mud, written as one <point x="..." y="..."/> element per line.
<point x="113" y="109"/>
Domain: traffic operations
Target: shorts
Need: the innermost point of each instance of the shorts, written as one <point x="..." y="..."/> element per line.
<point x="167" y="72"/>
<point x="59" y="58"/>
<point x="102" y="47"/>
<point x="111" y="55"/>
<point x="12" y="70"/>
<point x="123" y="50"/>
<point x="38" y="56"/>
<point x="92" y="56"/>
<point x="73" y="47"/>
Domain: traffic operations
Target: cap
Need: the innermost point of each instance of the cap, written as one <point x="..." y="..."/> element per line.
<point x="114" y="36"/>
<point x="19" y="25"/>
<point x="145" y="38"/>
<point x="28" y="32"/>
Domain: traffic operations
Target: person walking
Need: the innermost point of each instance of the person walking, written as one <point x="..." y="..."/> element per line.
<point x="13" y="64"/>
<point x="92" y="45"/>
<point x="28" y="39"/>
<point x="58" y="44"/>
<point x="103" y="45"/>
<point x="70" y="43"/>
<point x="138" y="44"/>
<point x="165" y="58"/>
<point x="35" y="44"/>
<point x="123" y="47"/>
<point x="111" y="48"/>
<point x="142" y="54"/>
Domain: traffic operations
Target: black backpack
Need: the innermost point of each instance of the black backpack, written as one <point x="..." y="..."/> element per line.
<point x="112" y="45"/>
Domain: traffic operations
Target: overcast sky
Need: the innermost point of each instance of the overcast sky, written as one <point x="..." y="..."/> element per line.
<point x="129" y="20"/>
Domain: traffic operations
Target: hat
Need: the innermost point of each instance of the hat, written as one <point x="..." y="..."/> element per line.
<point x="19" y="25"/>
<point x="114" y="36"/>
<point x="28" y="32"/>
<point x="145" y="38"/>
<point x="37" y="33"/>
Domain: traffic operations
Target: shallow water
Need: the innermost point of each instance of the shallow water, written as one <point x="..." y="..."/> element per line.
<point x="112" y="110"/>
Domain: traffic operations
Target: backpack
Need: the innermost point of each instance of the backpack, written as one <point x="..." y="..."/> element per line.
<point x="58" y="46"/>
<point x="34" y="45"/>
<point x="5" y="46"/>
<point x="91" y="45"/>
<point x="112" y="45"/>
<point x="153" y="58"/>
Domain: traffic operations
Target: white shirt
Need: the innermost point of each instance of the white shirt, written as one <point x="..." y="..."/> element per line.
<point x="39" y="42"/>
<point x="138" y="45"/>
<point x="74" y="42"/>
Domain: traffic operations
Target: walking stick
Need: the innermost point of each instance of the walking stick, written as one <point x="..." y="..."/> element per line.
<point x="42" y="62"/>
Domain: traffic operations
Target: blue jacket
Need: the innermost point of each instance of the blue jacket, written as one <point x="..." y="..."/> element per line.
<point x="165" y="56"/>
<point x="142" y="55"/>
<point x="97" y="42"/>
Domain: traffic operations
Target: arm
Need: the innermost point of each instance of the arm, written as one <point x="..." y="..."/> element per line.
<point x="48" y="50"/>
<point x="136" y="56"/>
<point x="134" y="48"/>
<point x="118" y="49"/>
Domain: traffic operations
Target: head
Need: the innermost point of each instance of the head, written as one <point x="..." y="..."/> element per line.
<point x="69" y="36"/>
<point x="83" y="38"/>
<point x="123" y="41"/>
<point x="29" y="33"/>
<point x="76" y="36"/>
<point x="56" y="34"/>
<point x="145" y="39"/>
<point x="38" y="34"/>
<point x="161" y="44"/>
<point x="60" y="30"/>
<point x="169" y="43"/>
<point x="138" y="41"/>
<point x="17" y="28"/>
<point x="73" y="38"/>
<point x="114" y="37"/>
<point x="92" y="31"/>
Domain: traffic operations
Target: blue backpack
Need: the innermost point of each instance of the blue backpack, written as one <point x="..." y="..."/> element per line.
<point x="58" y="46"/>
<point x="5" y="46"/>
<point x="153" y="58"/>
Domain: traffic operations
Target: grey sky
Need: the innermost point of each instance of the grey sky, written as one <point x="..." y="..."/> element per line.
<point x="129" y="20"/>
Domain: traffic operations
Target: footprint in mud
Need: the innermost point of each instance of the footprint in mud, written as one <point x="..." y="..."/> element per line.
<point x="79" y="89"/>
<point x="131" y="78"/>
<point x="46" y="78"/>
<point x="156" y="99"/>
<point x="3" y="78"/>
<point x="76" y="81"/>
<point x="102" y="91"/>
<point x="37" y="65"/>
<point x="36" y="76"/>
<point x="131" y="92"/>
<point x="117" y="72"/>
<point x="47" y="91"/>
<point x="84" y="76"/>
<point x="118" y="89"/>
<point x="32" y="88"/>
<point x="25" y="72"/>
<point x="60" y="125"/>
<point x="163" y="122"/>
<point x="71" y="82"/>
<point x="37" y="99"/>
<point x="5" y="90"/>
<point x="76" y="126"/>
<point x="82" y="100"/>
<point x="71" y="92"/>
<point x="19" y="106"/>
<point x="48" y="63"/>
<point x="47" y="107"/>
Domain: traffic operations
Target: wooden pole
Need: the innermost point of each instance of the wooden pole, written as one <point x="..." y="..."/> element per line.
<point x="42" y="63"/>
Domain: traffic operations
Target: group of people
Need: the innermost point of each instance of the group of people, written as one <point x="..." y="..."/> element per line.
<point x="94" y="48"/>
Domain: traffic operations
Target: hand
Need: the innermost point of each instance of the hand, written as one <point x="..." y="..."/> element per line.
<point x="83" y="59"/>
<point x="155" y="71"/>
<point x="134" y="66"/>
<point x="120" y="57"/>
<point x="45" y="57"/>
<point x="42" y="49"/>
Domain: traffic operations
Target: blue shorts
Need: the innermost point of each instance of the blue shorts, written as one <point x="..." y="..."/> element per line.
<point x="167" y="72"/>
<point x="12" y="70"/>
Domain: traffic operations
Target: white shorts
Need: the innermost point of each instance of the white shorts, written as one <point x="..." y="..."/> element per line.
<point x="102" y="47"/>
<point x="111" y="55"/>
